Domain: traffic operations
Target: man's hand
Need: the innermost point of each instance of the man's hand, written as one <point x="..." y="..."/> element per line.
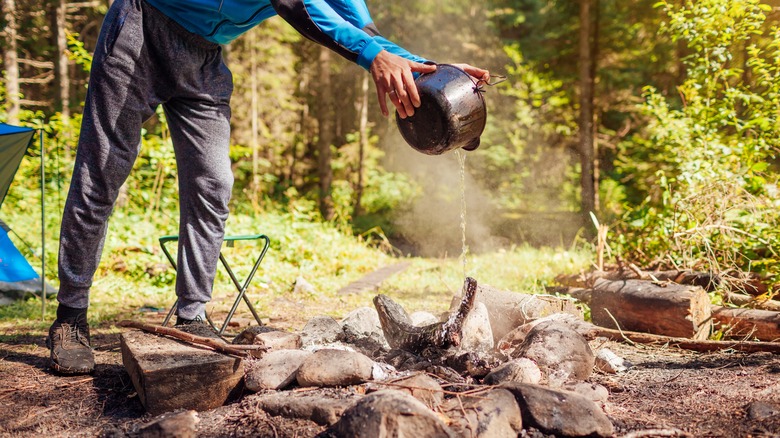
<point x="479" y="74"/>
<point x="393" y="78"/>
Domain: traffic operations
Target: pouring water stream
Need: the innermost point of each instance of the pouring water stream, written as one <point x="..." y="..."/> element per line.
<point x="464" y="248"/>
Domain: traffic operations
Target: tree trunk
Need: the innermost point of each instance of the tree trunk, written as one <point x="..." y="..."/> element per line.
<point x="326" y="134"/>
<point x="587" y="74"/>
<point x="11" y="64"/>
<point x="63" y="72"/>
<point x="363" y="127"/>
<point x="255" y="186"/>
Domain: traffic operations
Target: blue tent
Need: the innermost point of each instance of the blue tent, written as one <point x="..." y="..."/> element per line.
<point x="17" y="277"/>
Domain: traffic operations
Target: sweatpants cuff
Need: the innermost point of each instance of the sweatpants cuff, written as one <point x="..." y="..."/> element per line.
<point x="190" y="309"/>
<point x="76" y="298"/>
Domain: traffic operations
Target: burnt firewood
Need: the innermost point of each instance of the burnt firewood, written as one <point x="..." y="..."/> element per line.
<point x="402" y="334"/>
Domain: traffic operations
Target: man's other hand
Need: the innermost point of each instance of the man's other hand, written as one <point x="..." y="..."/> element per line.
<point x="479" y="74"/>
<point x="393" y="78"/>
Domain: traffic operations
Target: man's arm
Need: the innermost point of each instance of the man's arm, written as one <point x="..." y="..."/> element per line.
<point x="346" y="27"/>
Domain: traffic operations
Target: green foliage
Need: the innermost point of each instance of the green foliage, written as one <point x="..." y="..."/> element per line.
<point x="537" y="129"/>
<point x="702" y="171"/>
<point x="77" y="52"/>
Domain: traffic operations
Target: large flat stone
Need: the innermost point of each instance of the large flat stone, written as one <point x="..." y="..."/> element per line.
<point x="320" y="407"/>
<point x="170" y="375"/>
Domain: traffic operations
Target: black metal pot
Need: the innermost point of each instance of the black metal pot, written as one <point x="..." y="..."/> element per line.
<point x="452" y="113"/>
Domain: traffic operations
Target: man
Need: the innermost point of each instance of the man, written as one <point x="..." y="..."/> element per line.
<point x="168" y="52"/>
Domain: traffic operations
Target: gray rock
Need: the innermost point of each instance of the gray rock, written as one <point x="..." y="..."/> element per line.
<point x="562" y="413"/>
<point x="477" y="335"/>
<point x="362" y="329"/>
<point x="473" y="363"/>
<point x="171" y="425"/>
<point x="494" y="414"/>
<point x="304" y="287"/>
<point x="361" y="322"/>
<point x="514" y="338"/>
<point x="759" y="410"/>
<point x="335" y="368"/>
<point x="274" y="370"/>
<point x="322" y="408"/>
<point x="269" y="338"/>
<point x="509" y="310"/>
<point x="248" y="335"/>
<point x="422" y="387"/>
<point x="422" y="318"/>
<point x="389" y="413"/>
<point x="321" y="330"/>
<point x="609" y="362"/>
<point x="592" y="391"/>
<point x="279" y="340"/>
<point x="522" y="370"/>
<point x="561" y="353"/>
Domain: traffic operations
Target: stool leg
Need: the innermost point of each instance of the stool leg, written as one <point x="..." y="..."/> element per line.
<point x="170" y="313"/>
<point x="252" y="309"/>
<point x="242" y="289"/>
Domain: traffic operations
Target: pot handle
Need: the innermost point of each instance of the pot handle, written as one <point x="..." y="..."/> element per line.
<point x="498" y="79"/>
<point x="472" y="145"/>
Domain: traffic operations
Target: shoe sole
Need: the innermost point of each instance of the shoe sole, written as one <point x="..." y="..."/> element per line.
<point x="59" y="369"/>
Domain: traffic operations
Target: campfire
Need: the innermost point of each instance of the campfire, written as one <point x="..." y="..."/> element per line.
<point x="497" y="364"/>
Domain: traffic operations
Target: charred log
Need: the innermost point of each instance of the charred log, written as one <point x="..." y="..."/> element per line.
<point x="402" y="334"/>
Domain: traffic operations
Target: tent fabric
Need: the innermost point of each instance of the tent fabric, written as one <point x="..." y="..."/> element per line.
<point x="13" y="265"/>
<point x="18" y="280"/>
<point x="14" y="141"/>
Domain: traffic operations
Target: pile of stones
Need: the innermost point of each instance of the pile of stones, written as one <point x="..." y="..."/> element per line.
<point x="507" y="375"/>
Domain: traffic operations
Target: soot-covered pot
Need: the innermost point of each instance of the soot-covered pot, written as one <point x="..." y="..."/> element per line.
<point x="451" y="115"/>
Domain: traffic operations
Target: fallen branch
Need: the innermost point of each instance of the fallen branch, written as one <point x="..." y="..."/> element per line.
<point x="233" y="350"/>
<point x="752" y="302"/>
<point x="684" y="343"/>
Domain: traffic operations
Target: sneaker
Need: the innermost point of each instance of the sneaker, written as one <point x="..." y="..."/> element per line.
<point x="68" y="343"/>
<point x="183" y="321"/>
<point x="198" y="326"/>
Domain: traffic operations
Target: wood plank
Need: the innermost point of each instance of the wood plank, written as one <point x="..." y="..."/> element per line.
<point x="170" y="375"/>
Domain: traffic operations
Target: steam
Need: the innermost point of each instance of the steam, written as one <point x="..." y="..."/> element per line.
<point x="431" y="227"/>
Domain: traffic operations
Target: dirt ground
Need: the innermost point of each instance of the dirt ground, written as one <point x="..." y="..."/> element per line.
<point x="667" y="392"/>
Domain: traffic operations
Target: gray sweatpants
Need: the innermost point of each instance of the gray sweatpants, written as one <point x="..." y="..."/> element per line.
<point x="144" y="59"/>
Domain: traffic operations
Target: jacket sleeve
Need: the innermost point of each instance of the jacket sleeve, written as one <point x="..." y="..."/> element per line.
<point x="344" y="26"/>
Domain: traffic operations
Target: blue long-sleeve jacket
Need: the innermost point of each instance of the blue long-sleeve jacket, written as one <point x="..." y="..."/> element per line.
<point x="344" y="26"/>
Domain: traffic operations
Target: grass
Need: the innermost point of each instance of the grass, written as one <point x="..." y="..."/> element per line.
<point x="134" y="275"/>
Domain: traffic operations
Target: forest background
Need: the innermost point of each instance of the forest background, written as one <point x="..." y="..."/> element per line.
<point x="658" y="122"/>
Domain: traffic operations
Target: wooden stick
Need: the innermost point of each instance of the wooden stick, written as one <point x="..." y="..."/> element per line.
<point x="686" y="344"/>
<point x="214" y="344"/>
<point x="753" y="302"/>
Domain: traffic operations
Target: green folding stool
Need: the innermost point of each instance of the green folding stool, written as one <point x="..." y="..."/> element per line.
<point x="230" y="241"/>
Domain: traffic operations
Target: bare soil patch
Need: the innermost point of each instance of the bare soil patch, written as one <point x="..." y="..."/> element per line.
<point x="666" y="392"/>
